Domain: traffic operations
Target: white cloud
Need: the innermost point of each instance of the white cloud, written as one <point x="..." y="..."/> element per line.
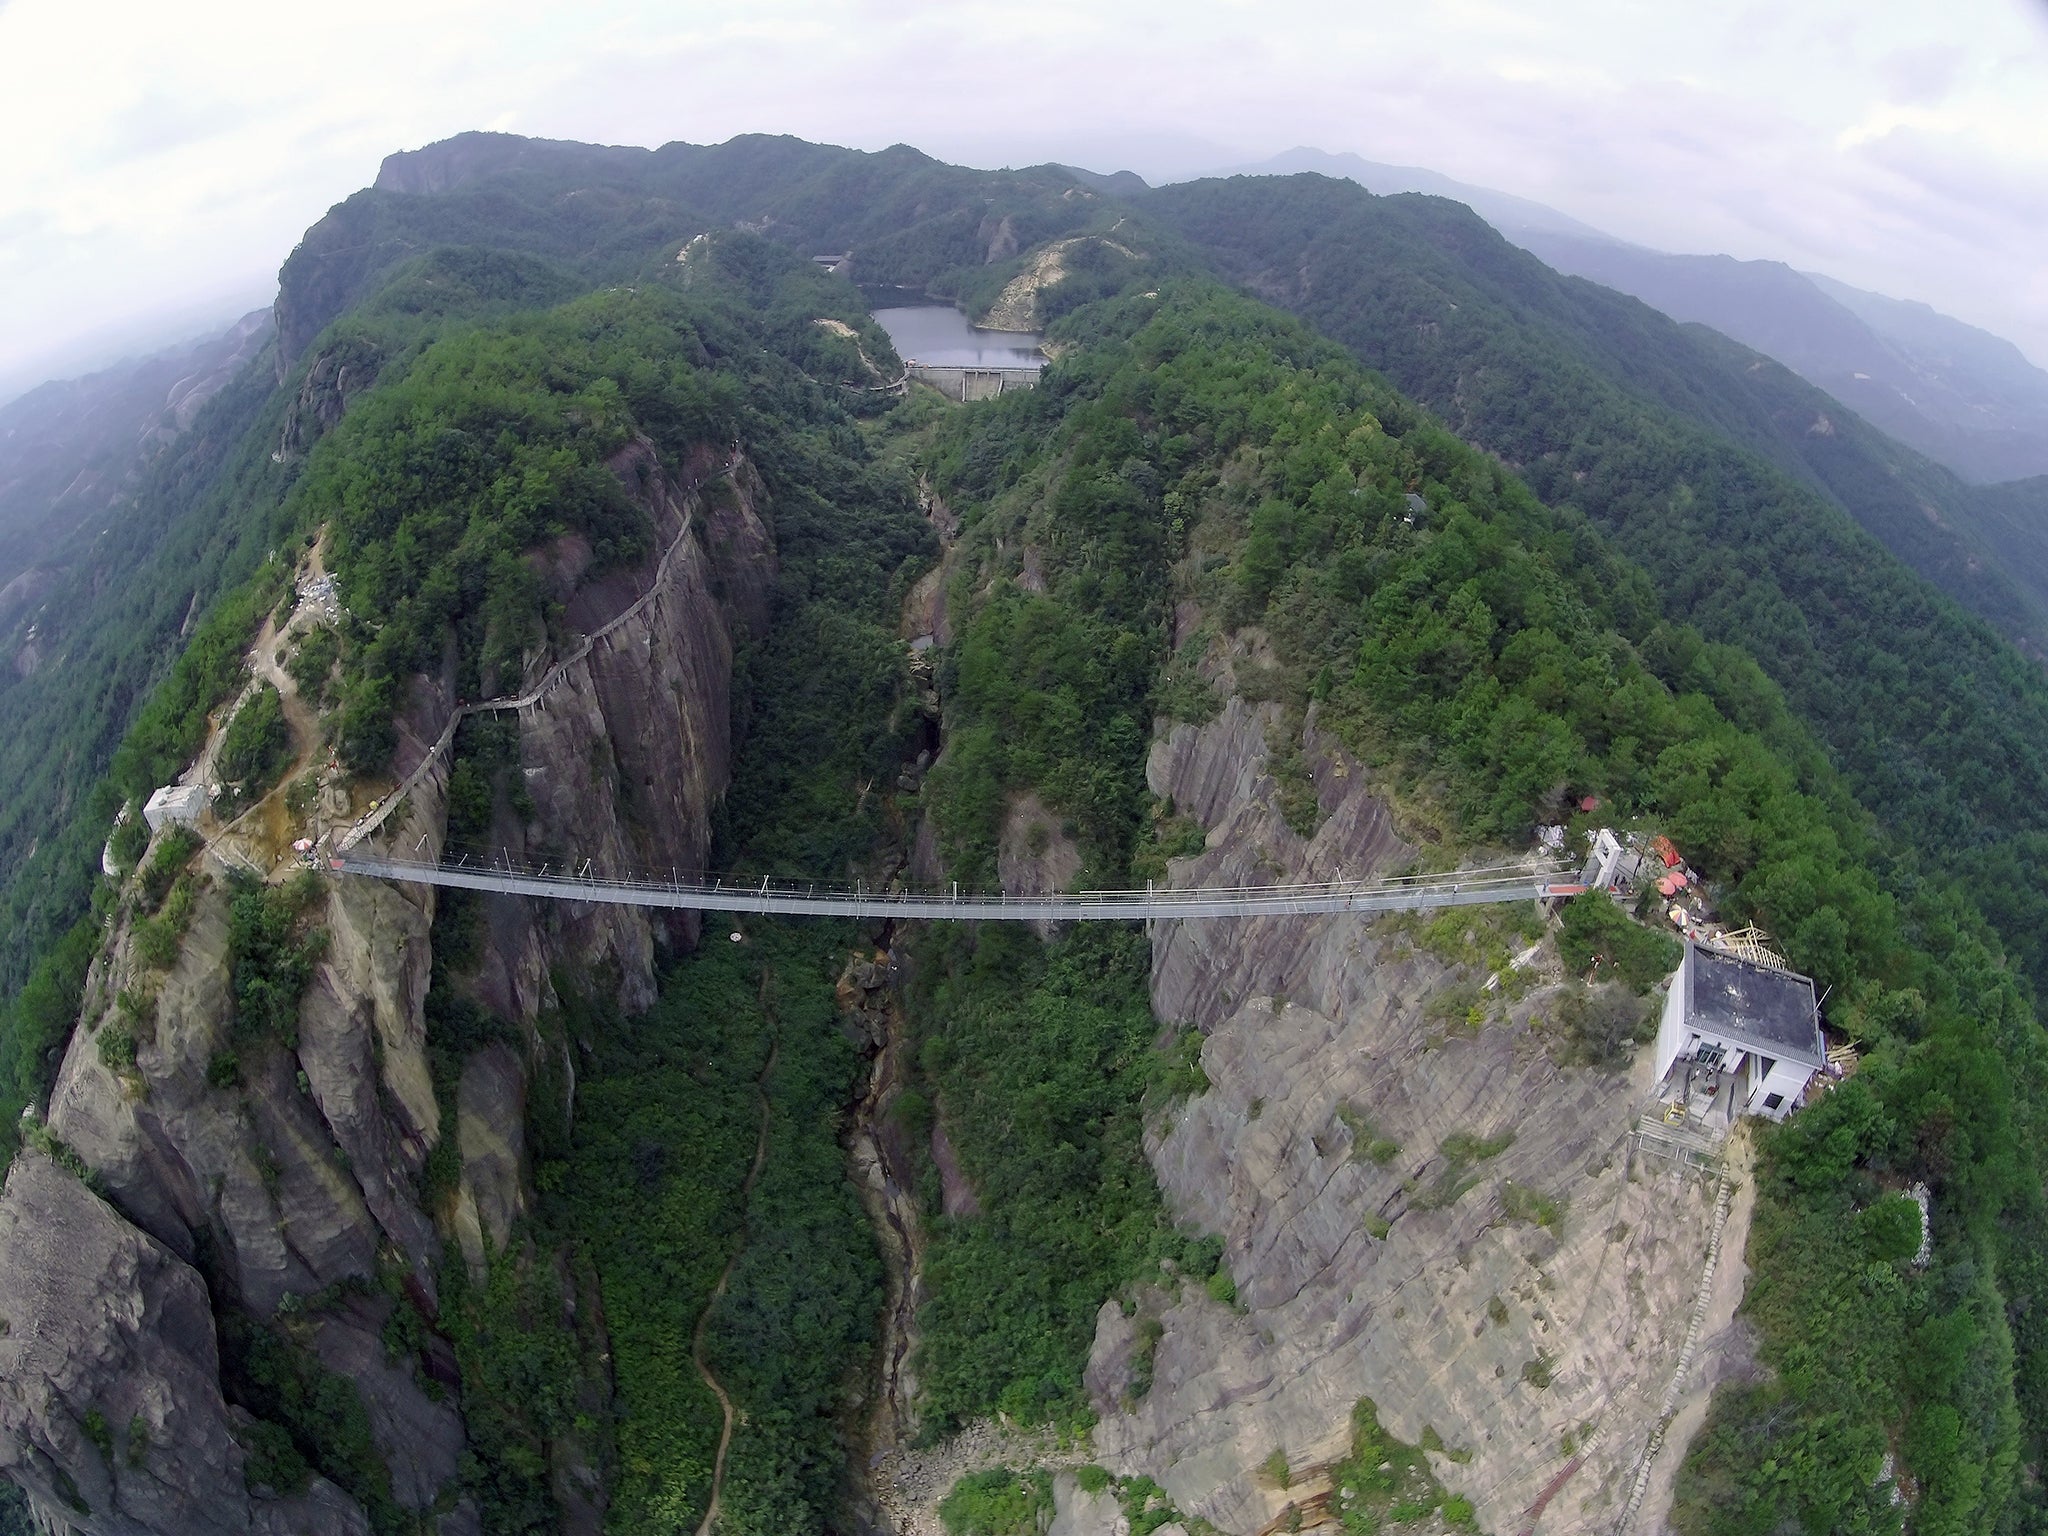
<point x="163" y="154"/>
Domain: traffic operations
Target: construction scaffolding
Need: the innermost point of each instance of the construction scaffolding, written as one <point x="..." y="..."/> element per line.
<point x="1751" y="944"/>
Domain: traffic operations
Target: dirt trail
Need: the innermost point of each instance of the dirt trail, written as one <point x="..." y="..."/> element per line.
<point x="718" y="1291"/>
<point x="257" y="836"/>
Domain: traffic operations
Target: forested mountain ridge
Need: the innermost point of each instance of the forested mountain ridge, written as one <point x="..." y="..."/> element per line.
<point x="1963" y="397"/>
<point x="1922" y="512"/>
<point x="1602" y="404"/>
<point x="1966" y="399"/>
<point x="71" y="450"/>
<point x="412" y="265"/>
<point x="158" y="615"/>
<point x="506" y="235"/>
<point x="1475" y="655"/>
<point x="623" y="401"/>
<point x="107" y="631"/>
<point x="907" y="219"/>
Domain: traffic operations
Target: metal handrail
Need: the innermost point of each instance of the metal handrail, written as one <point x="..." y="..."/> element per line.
<point x="770" y="894"/>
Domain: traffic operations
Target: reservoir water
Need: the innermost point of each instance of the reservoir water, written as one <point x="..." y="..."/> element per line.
<point x="939" y="336"/>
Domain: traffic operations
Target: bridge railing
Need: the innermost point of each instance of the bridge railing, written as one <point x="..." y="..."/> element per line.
<point x="581" y="880"/>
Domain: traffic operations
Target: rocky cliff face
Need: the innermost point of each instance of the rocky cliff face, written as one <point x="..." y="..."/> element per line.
<point x="1375" y="1253"/>
<point x="625" y="757"/>
<point x="110" y="1408"/>
<point x="289" y="1185"/>
<point x="331" y="380"/>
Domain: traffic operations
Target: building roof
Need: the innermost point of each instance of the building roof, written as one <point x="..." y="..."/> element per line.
<point x="177" y="800"/>
<point x="1770" y="1011"/>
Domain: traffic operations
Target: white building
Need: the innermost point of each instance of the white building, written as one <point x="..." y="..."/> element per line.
<point x="1603" y="863"/>
<point x="1736" y="1039"/>
<point x="179" y="803"/>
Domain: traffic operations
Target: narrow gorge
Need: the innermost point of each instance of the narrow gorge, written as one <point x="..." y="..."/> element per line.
<point x="578" y="517"/>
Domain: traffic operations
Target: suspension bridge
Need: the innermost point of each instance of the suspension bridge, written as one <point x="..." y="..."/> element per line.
<point x="800" y="898"/>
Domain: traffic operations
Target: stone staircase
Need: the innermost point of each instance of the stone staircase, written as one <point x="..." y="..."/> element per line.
<point x="1669" y="1405"/>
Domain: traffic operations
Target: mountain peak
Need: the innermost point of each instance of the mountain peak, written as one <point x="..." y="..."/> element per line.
<point x="450" y="163"/>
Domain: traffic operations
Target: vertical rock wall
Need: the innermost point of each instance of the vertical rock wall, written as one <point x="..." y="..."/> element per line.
<point x="626" y="756"/>
<point x="1515" y="1346"/>
<point x="110" y="1408"/>
<point x="298" y="1173"/>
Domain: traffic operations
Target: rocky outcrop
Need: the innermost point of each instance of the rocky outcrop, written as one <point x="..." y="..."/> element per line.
<point x="1077" y="1512"/>
<point x="111" y="1413"/>
<point x="1020" y="306"/>
<point x="1370" y="1171"/>
<point x="454" y="162"/>
<point x="247" y="1172"/>
<point x="420" y="1441"/>
<point x="925" y="621"/>
<point x="208" y="375"/>
<point x="288" y="1168"/>
<point x="491" y="1132"/>
<point x="626" y="755"/>
<point x="296" y="1177"/>
<point x="362" y="1045"/>
<point x="1035" y="854"/>
<point x="340" y="372"/>
<point x="997" y="237"/>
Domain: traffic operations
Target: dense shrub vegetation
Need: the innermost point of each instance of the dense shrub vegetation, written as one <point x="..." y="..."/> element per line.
<point x="256" y="747"/>
<point x="1939" y="729"/>
<point x="1053" y="689"/>
<point x="1386" y="1482"/>
<point x="1040" y="1058"/>
<point x="271" y="957"/>
<point x="438" y="485"/>
<point x="998" y="1502"/>
<point x="653" y="1182"/>
<point x="15" y="1518"/>
<point x="307" y="1417"/>
<point x="1595" y="933"/>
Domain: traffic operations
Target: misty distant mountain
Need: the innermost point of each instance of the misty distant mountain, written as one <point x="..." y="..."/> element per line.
<point x="1960" y="395"/>
<point x="72" y="448"/>
<point x="1507" y="213"/>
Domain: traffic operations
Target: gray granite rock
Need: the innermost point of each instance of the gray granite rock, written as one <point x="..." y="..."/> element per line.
<point x="110" y="1407"/>
<point x="303" y="1170"/>
<point x="1391" y="1277"/>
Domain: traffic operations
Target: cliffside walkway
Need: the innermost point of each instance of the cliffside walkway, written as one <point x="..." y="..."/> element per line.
<point x="794" y="898"/>
<point x="549" y="679"/>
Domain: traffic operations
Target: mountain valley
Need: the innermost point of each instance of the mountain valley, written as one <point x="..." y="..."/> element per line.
<point x="569" y="511"/>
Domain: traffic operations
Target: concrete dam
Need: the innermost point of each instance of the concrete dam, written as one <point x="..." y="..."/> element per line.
<point x="960" y="360"/>
<point x="964" y="383"/>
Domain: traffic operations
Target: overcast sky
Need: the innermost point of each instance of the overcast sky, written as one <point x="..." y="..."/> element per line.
<point x="162" y="160"/>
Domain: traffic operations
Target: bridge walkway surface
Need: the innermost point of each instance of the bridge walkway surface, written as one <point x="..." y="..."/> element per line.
<point x="791" y="898"/>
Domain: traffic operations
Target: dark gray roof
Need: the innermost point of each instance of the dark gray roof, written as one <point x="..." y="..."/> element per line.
<point x="1770" y="1011"/>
